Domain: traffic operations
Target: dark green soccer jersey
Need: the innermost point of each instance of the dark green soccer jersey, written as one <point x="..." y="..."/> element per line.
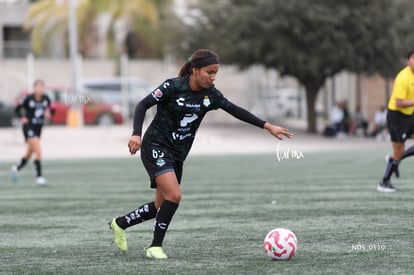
<point x="180" y="112"/>
<point x="33" y="109"/>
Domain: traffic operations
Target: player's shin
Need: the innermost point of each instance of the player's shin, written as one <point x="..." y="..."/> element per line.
<point x="21" y="164"/>
<point x="392" y="167"/>
<point x="408" y="153"/>
<point x="144" y="212"/>
<point x="38" y="167"/>
<point x="162" y="221"/>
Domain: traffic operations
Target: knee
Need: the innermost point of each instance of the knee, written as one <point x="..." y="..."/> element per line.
<point x="175" y="196"/>
<point x="37" y="155"/>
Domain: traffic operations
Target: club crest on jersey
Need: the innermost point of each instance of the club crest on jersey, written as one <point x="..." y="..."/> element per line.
<point x="206" y="101"/>
<point x="157" y="94"/>
<point x="160" y="162"/>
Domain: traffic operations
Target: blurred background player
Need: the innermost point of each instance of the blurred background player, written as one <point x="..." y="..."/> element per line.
<point x="400" y="121"/>
<point x="32" y="111"/>
<point x="182" y="103"/>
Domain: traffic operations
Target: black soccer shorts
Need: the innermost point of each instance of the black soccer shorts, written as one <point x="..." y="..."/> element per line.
<point x="400" y="126"/>
<point x="31" y="130"/>
<point x="158" y="160"/>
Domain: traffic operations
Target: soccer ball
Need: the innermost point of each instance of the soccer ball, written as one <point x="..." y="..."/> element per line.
<point x="280" y="244"/>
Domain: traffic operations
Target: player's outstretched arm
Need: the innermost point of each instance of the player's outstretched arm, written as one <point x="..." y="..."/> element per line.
<point x="248" y="117"/>
<point x="277" y="131"/>
<point x="134" y="144"/>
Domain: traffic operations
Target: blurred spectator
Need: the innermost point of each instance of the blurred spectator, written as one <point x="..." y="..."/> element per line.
<point x="358" y="121"/>
<point x="337" y="121"/>
<point x="380" y="121"/>
<point x="346" y="121"/>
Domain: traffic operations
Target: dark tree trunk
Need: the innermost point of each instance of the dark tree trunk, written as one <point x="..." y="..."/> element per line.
<point x="312" y="89"/>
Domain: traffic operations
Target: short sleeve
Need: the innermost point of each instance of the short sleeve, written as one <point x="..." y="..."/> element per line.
<point x="401" y="87"/>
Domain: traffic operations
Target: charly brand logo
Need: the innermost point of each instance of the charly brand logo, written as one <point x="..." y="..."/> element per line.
<point x="76" y="98"/>
<point x="289" y="154"/>
<point x="180" y="101"/>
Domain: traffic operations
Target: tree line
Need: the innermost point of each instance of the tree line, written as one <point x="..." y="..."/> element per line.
<point x="308" y="40"/>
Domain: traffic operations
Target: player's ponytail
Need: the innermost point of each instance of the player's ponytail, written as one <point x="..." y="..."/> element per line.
<point x="185" y="68"/>
<point x="198" y="59"/>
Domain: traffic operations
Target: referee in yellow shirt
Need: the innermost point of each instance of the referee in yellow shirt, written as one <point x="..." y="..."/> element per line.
<point x="400" y="121"/>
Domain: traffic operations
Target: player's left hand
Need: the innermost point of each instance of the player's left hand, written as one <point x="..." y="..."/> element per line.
<point x="48" y="114"/>
<point x="134" y="144"/>
<point x="277" y="131"/>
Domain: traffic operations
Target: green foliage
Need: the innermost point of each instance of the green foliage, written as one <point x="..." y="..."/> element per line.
<point x="304" y="39"/>
<point x="309" y="40"/>
<point x="48" y="18"/>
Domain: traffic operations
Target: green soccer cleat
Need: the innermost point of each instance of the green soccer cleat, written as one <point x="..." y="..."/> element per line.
<point x="119" y="233"/>
<point x="156" y="252"/>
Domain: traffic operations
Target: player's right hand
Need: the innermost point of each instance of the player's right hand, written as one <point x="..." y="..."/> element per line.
<point x="134" y="144"/>
<point x="24" y="120"/>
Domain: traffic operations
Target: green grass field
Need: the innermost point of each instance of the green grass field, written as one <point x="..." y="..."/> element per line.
<point x="229" y="203"/>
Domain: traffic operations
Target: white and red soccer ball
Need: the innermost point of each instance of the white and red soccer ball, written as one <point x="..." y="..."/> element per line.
<point x="280" y="244"/>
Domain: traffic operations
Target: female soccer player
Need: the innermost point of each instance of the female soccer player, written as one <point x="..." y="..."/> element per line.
<point x="33" y="110"/>
<point x="400" y="121"/>
<point x="182" y="103"/>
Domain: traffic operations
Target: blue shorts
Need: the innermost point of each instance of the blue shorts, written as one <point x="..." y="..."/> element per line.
<point x="158" y="160"/>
